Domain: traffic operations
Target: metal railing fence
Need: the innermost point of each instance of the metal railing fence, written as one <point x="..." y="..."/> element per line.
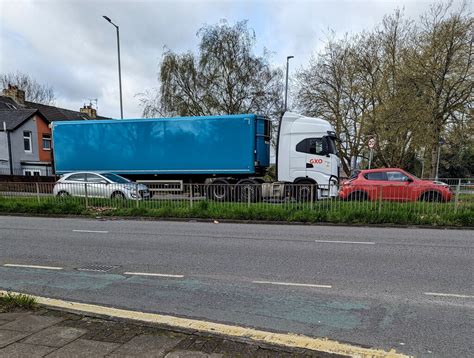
<point x="280" y="199"/>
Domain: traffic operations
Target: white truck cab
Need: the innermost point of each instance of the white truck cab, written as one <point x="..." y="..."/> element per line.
<point x="306" y="153"/>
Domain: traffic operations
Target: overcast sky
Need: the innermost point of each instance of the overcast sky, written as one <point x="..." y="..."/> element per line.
<point x="68" y="45"/>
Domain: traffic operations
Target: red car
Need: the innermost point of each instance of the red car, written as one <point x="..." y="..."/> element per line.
<point x="393" y="184"/>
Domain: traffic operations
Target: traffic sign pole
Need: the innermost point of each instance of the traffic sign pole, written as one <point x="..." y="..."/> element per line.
<point x="371" y="145"/>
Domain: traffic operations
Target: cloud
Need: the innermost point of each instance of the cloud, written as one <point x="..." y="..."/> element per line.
<point x="68" y="44"/>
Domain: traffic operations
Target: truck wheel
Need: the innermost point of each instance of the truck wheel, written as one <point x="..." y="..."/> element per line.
<point x="218" y="190"/>
<point x="304" y="189"/>
<point x="248" y="190"/>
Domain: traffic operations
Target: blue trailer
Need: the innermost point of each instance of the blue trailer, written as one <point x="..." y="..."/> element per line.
<point x="186" y="148"/>
<point x="230" y="153"/>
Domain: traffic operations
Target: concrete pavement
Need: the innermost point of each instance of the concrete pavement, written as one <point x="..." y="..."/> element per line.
<point x="51" y="333"/>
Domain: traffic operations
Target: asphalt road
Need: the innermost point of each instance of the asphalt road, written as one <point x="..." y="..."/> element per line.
<point x="408" y="289"/>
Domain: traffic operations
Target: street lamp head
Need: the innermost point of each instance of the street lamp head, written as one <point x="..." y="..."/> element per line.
<point x="107" y="18"/>
<point x="288" y="57"/>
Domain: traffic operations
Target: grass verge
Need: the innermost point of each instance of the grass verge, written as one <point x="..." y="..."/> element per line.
<point x="11" y="302"/>
<point x="435" y="214"/>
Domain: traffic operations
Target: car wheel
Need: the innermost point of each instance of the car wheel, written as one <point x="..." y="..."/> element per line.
<point x="431" y="196"/>
<point x="63" y="194"/>
<point x="118" y="195"/>
<point x="357" y="196"/>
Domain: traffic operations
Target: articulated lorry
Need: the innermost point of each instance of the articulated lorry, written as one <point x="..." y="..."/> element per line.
<point x="230" y="150"/>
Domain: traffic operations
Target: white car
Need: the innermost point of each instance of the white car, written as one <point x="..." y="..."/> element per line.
<point x="100" y="185"/>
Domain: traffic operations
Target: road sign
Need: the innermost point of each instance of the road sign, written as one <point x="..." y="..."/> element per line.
<point x="371" y="143"/>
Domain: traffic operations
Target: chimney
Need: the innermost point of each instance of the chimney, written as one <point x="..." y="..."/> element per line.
<point x="89" y="110"/>
<point x="15" y="93"/>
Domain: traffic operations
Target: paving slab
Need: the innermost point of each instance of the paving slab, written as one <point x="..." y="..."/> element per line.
<point x="2" y="322"/>
<point x="12" y="316"/>
<point x="236" y="348"/>
<point x="56" y="336"/>
<point x="8" y="337"/>
<point x="74" y="335"/>
<point x="21" y="350"/>
<point x="146" y="346"/>
<point x="192" y="354"/>
<point x="31" y="323"/>
<point x="84" y="348"/>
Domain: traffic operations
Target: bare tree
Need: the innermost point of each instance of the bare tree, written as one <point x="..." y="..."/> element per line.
<point x="327" y="89"/>
<point x="403" y="84"/>
<point x="34" y="91"/>
<point x="395" y="108"/>
<point x="225" y="77"/>
<point x="442" y="65"/>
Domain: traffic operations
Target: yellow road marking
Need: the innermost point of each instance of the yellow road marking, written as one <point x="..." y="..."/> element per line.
<point x="282" y="339"/>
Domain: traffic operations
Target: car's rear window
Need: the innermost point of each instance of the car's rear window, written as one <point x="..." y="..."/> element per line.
<point x="376" y="176"/>
<point x="116" y="178"/>
<point x="396" y="176"/>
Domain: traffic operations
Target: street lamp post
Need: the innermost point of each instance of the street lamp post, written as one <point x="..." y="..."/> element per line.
<point x="119" y="70"/>
<point x="286" y="86"/>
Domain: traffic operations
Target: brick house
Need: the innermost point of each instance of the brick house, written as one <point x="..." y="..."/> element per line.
<point x="25" y="135"/>
<point x="25" y="143"/>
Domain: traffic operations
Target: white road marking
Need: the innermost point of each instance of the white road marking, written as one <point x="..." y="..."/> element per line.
<point x="346" y="242"/>
<point x="92" y="231"/>
<point x="152" y="274"/>
<point x="292" y="284"/>
<point x="448" y="295"/>
<point x="34" y="266"/>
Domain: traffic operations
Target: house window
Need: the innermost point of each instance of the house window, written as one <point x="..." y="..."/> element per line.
<point x="31" y="173"/>
<point x="27" y="141"/>
<point x="46" y="141"/>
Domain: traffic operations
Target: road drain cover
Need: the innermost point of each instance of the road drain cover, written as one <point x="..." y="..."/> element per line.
<point x="97" y="268"/>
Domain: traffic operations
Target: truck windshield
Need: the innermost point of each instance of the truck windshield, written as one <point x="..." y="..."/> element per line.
<point x="331" y="145"/>
<point x="116" y="178"/>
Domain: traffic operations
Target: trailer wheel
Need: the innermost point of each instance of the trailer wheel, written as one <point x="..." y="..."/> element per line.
<point x="218" y="190"/>
<point x="249" y="190"/>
